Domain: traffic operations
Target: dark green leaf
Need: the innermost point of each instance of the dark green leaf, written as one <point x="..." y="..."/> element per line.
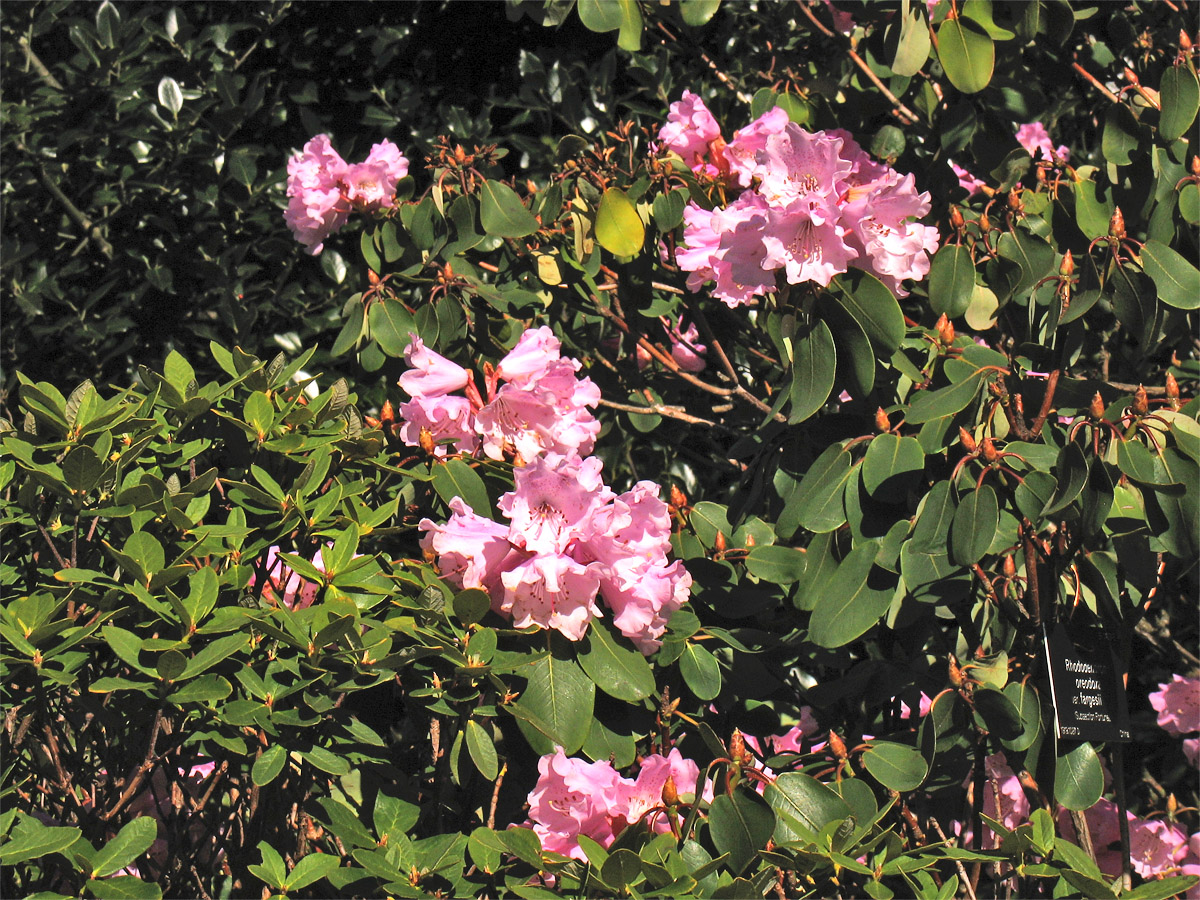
<point x="502" y="213"/>
<point x="130" y="842"/>
<point x="777" y="565"/>
<point x="895" y="766"/>
<point x="819" y="506"/>
<point x="1078" y="778"/>
<point x="813" y="370"/>
<point x="951" y="280"/>
<point x="1177" y="280"/>
<point x="455" y="478"/>
<point x="268" y="766"/>
<point x="740" y="825"/>
<point x="974" y="526"/>
<point x="851" y="607"/>
<point x="619" y="671"/>
<point x="874" y="307"/>
<point x="967" y="54"/>
<point x="912" y="50"/>
<point x="482" y="750"/>
<point x="892" y="466"/>
<point x="698" y="12"/>
<point x="1180" y="97"/>
<point x="556" y="707"/>
<point x="803" y="806"/>
<point x="700" y="671"/>
<point x="391" y="326"/>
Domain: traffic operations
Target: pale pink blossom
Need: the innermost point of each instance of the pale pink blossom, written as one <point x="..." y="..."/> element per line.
<point x="1035" y="139"/>
<point x="690" y="129"/>
<point x="283" y="587"/>
<point x="1105" y="831"/>
<point x="743" y="150"/>
<point x="1191" y="750"/>
<point x="1155" y="847"/>
<point x="686" y="348"/>
<point x="553" y="592"/>
<point x="880" y="228"/>
<point x="726" y="246"/>
<point x="533" y="355"/>
<point x="448" y="418"/>
<point x="1014" y="805"/>
<point x="806" y="240"/>
<point x="471" y="550"/>
<point x="923" y="707"/>
<point x="322" y="188"/>
<point x="795" y="164"/>
<point x="430" y="374"/>
<point x="1191" y="865"/>
<point x="636" y="800"/>
<point x="1178" y="704"/>
<point x="552" y="501"/>
<point x="966" y="180"/>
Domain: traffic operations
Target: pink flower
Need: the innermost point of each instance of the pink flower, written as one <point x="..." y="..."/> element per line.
<point x="690" y="129"/>
<point x="742" y="152"/>
<point x="546" y="415"/>
<point x="923" y="707"/>
<point x="534" y="354"/>
<point x="966" y="180"/>
<point x="553" y="499"/>
<point x="1105" y="831"/>
<point x="1155" y="848"/>
<point x="431" y="374"/>
<point x="1178" y="704"/>
<point x="726" y="246"/>
<point x="315" y="208"/>
<point x="448" y="418"/>
<point x="573" y="797"/>
<point x="1191" y="750"/>
<point x="790" y="740"/>
<point x="1014" y="805"/>
<point x="551" y="591"/>
<point x="807" y="242"/>
<point x="1191" y="865"/>
<point x="471" y="550"/>
<point x="796" y="164"/>
<point x="284" y="587"/>
<point x="1034" y="138"/>
<point x="322" y="188"/>
<point x="888" y="243"/>
<point x="686" y="348"/>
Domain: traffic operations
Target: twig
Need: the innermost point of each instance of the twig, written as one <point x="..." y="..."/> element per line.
<point x="139" y="774"/>
<point x="902" y="111"/>
<point x="671" y="412"/>
<point x="491" y="821"/>
<point x="200" y="885"/>
<point x="962" y="872"/>
<point x="1047" y="402"/>
<point x="721" y="76"/>
<point x="62" y="563"/>
<point x="73" y="211"/>
<point x="1095" y="82"/>
<point x="39" y="66"/>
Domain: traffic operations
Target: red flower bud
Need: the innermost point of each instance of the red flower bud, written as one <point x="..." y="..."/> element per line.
<point x="967" y="440"/>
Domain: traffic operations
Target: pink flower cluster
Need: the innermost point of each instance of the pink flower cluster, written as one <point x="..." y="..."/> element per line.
<point x="323" y="188"/>
<point x="812" y="204"/>
<point x="573" y="797"/>
<point x="541" y="407"/>
<point x="1155" y="847"/>
<point x="284" y="587"/>
<point x="569" y="540"/>
<point x="1178" y="706"/>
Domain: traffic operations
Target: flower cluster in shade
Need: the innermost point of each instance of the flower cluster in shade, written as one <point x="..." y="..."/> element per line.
<point x="568" y="542"/>
<point x="809" y="205"/>
<point x="283" y="587"/>
<point x="1036" y="141"/>
<point x="323" y="188"/>
<point x="573" y="798"/>
<point x="534" y="402"/>
<point x="1178" y="706"/>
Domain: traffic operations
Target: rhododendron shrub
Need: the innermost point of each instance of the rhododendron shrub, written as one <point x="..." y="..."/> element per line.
<point x="663" y="485"/>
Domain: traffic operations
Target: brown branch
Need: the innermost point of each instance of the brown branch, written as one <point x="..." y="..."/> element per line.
<point x="73" y="212"/>
<point x="139" y="774"/>
<point x="491" y="820"/>
<point x="40" y="67"/>
<point x="670" y="412"/>
<point x="62" y="563"/>
<point x="1047" y="403"/>
<point x="1095" y="82"/>
<point x="902" y="111"/>
<point x="962" y="872"/>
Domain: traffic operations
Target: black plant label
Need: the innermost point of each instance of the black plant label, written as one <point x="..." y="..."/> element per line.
<point x="1086" y="684"/>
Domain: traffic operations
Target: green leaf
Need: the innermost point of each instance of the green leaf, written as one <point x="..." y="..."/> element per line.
<point x="698" y="12"/>
<point x="1034" y="493"/>
<point x="1120" y="138"/>
<point x="819" y="506"/>
<point x="311" y="868"/>
<point x="31" y="839"/>
<point x="622" y="868"/>
<point x="998" y="714"/>
<point x="709" y="519"/>
<point x="455" y="478"/>
<point x="272" y="871"/>
<point x="599" y="15"/>
<point x="895" y="766"/>
<point x="393" y="818"/>
<point x="974" y="526"/>
<point x="776" y="565"/>
<point x="619" y="228"/>
<point x="967" y="54"/>
<point x="268" y="766"/>
<point x="131" y="842"/>
<point x="951" y="280"/>
<point x="391" y="326"/>
<point x="813" y="371"/>
<point x="630" y="36"/>
<point x="700" y="671"/>
<point x="124" y="887"/>
<point x="891" y="466"/>
<point x="242" y="167"/>
<point x="1078" y="778"/>
<point x="81" y="469"/>
<point x="205" y="689"/>
<point x="482" y="750"/>
<point x="874" y="307"/>
<point x="912" y="51"/>
<point x="370" y="255"/>
<point x="619" y="671"/>
<point x="852" y="607"/>
<point x="556" y="707"/>
<point x="929" y="405"/>
<point x="1172" y="886"/>
<point x="1177" y="280"/>
<point x="803" y="806"/>
<point x="170" y="97"/>
<point x="502" y="213"/>
<point x="740" y="825"/>
<point x="333" y="264"/>
<point x="1027" y="704"/>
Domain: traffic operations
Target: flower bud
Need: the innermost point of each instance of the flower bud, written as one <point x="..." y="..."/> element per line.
<point x="372" y="278"/>
<point x="965" y="438"/>
<point x="1096" y="408"/>
<point x="985" y="224"/>
<point x="1010" y="567"/>
<point x="670" y="795"/>
<point x="989" y="450"/>
<point x="1014" y="202"/>
<point x="957" y="677"/>
<point x="719" y="543"/>
<point x="1173" y="392"/>
<point x="750" y="541"/>
<point x="737" y="746"/>
<point x="837" y="745"/>
<point x="1116" y="225"/>
<point x="1185" y="42"/>
<point x="1067" y="267"/>
<point x="678" y="498"/>
<point x="388" y="413"/>
<point x="1196" y="166"/>
<point x="1172" y="807"/>
<point x="945" y="330"/>
<point x="1131" y="76"/>
<point x="956" y="218"/>
<point x="1028" y="781"/>
<point x="425" y="440"/>
<point x="1141" y="403"/>
<point x="881" y="421"/>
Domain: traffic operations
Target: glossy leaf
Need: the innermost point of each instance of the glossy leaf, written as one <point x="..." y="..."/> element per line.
<point x="700" y="671"/>
<point x="951" y="281"/>
<point x="134" y="839"/>
<point x="482" y="750"/>
<point x="618" y="670"/>
<point x="619" y="228"/>
<point x="813" y="370"/>
<point x="1177" y="280"/>
<point x="803" y="806"/>
<point x="1078" y="778"/>
<point x="502" y="213"/>
<point x="974" y="526"/>
<point x="556" y="707"/>
<point x="851" y="606"/>
<point x="740" y="825"/>
<point x="967" y="54"/>
<point x="896" y="766"/>
<point x="819" y="499"/>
